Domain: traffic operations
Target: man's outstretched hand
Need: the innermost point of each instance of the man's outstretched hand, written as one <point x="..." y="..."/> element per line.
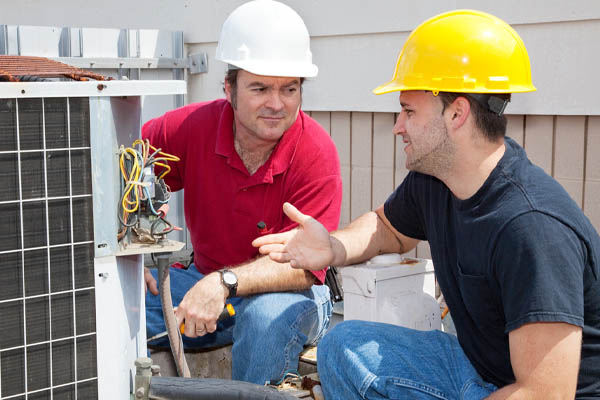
<point x="306" y="247"/>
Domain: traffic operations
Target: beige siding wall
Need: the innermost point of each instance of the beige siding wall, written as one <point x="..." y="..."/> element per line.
<point x="372" y="159"/>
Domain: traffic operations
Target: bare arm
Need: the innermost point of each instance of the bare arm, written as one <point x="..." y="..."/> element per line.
<point x="263" y="275"/>
<point x="367" y="236"/>
<point x="311" y="247"/>
<point x="545" y="361"/>
<point x="203" y="303"/>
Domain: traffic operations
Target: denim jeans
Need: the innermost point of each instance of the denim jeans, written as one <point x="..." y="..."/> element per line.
<point x="268" y="331"/>
<point x="370" y="360"/>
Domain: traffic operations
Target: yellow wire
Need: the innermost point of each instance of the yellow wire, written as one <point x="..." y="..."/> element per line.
<point x="132" y="180"/>
<point x="133" y="177"/>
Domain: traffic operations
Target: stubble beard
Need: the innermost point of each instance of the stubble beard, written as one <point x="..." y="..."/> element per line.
<point x="438" y="159"/>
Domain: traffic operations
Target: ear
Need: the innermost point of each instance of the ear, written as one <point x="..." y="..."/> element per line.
<point x="458" y="112"/>
<point x="228" y="91"/>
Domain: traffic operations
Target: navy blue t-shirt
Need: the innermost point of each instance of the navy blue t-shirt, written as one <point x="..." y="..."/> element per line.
<point x="518" y="251"/>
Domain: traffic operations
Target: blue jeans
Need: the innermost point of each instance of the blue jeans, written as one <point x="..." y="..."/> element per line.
<point x="370" y="360"/>
<point x="268" y="331"/>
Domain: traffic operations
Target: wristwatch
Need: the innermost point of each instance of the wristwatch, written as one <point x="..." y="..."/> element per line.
<point x="229" y="279"/>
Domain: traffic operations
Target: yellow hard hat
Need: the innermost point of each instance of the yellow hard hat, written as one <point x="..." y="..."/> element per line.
<point x="462" y="51"/>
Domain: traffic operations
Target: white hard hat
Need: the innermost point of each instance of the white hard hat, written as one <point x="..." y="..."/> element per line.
<point x="266" y="37"/>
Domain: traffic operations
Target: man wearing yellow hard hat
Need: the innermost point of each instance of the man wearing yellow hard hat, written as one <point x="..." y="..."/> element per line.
<point x="516" y="259"/>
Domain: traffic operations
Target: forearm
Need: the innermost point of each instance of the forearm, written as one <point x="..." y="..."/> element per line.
<point x="263" y="275"/>
<point x="363" y="239"/>
<point x="512" y="392"/>
<point x="520" y="392"/>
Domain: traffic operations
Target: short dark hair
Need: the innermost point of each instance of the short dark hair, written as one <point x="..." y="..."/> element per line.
<point x="491" y="124"/>
<point x="231" y="78"/>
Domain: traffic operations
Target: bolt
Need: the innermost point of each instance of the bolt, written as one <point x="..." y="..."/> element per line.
<point x="139" y="393"/>
<point x="143" y="362"/>
<point x="103" y="275"/>
<point x="101" y="86"/>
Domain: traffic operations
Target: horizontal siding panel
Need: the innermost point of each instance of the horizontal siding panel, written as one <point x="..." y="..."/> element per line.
<point x="323" y="118"/>
<point x="514" y="128"/>
<point x="360" y="180"/>
<point x="340" y="133"/>
<point x="569" y="150"/>
<point x="383" y="157"/>
<point x="591" y="204"/>
<point x="592" y="201"/>
<point x="538" y="140"/>
<point x="569" y="144"/>
<point x="592" y="169"/>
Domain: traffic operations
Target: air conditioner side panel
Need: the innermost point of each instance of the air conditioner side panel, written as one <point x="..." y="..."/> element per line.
<point x="120" y="317"/>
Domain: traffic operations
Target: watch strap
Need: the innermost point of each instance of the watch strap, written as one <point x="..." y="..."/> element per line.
<point x="231" y="287"/>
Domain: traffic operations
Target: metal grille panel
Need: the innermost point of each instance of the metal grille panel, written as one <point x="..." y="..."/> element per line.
<point x="47" y="295"/>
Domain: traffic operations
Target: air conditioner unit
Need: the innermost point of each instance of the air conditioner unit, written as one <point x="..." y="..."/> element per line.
<point x="71" y="303"/>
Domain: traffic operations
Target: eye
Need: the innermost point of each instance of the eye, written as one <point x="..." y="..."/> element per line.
<point x="290" y="90"/>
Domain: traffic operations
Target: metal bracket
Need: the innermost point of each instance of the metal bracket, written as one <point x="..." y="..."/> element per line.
<point x="198" y="63"/>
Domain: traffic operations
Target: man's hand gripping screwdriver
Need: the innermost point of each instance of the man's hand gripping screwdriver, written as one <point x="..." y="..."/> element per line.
<point x="228" y="311"/>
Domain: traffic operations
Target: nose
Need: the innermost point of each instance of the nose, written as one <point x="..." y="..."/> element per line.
<point x="399" y="127"/>
<point x="274" y="101"/>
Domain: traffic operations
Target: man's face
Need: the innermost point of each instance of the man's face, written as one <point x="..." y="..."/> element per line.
<point x="428" y="149"/>
<point x="265" y="106"/>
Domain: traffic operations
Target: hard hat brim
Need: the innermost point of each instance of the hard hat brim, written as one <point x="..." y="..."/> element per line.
<point x="269" y="68"/>
<point x="393" y="86"/>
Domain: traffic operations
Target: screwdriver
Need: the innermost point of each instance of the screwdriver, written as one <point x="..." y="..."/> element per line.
<point x="228" y="311"/>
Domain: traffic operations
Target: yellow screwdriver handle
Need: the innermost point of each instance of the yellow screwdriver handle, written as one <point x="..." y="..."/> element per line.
<point x="228" y="311"/>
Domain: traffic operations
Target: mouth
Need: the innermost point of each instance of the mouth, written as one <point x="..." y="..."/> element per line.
<point x="406" y="141"/>
<point x="271" y="118"/>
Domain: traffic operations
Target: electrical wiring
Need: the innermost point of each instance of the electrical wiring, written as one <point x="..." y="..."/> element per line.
<point x="136" y="164"/>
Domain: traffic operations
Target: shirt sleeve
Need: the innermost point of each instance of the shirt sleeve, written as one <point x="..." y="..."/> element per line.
<point x="168" y="133"/>
<point x="403" y="211"/>
<point x="539" y="266"/>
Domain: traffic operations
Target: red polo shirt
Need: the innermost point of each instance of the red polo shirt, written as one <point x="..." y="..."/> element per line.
<point x="223" y="202"/>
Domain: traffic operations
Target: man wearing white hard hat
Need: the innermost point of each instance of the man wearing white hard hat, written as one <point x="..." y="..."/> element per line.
<point x="241" y="158"/>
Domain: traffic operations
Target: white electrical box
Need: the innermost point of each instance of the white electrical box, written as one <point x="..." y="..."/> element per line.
<point x="392" y="289"/>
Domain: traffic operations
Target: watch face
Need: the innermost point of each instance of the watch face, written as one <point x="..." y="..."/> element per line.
<point x="229" y="278"/>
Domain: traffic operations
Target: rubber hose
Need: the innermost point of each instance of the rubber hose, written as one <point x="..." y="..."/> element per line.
<point x="175" y="339"/>
<point x="171" y="388"/>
